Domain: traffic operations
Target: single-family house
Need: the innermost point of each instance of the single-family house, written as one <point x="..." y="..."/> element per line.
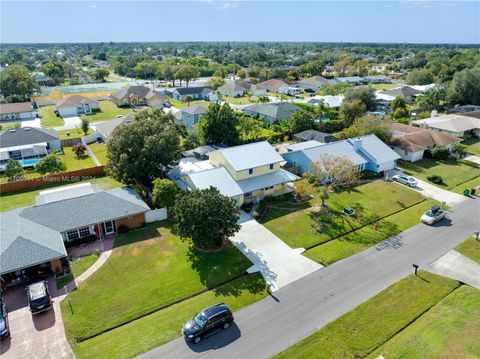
<point x="271" y="111"/>
<point x="40" y="78"/>
<point x="404" y="91"/>
<point x="138" y="96"/>
<point x="314" y="82"/>
<point x="34" y="238"/>
<point x="464" y="109"/>
<point x="332" y="101"/>
<point x="452" y="125"/>
<point x="247" y="172"/>
<point x="474" y="114"/>
<point x="191" y="115"/>
<point x="105" y="129"/>
<point x="367" y="153"/>
<point x="314" y="135"/>
<point x="411" y="142"/>
<point x="195" y="93"/>
<point x="272" y="85"/>
<point x="232" y="89"/>
<point x="378" y="79"/>
<point x="27" y="145"/>
<point x="351" y="80"/>
<point x="17" y="111"/>
<point x="75" y="105"/>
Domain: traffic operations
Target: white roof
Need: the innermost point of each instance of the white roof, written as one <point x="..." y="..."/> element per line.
<point x="216" y="177"/>
<point x="251" y="155"/>
<point x="332" y="101"/>
<point x="267" y="180"/>
<point x="189" y="165"/>
<point x="22" y="147"/>
<point x="304" y="145"/>
<point x="376" y="149"/>
<point x="452" y="123"/>
<point x="384" y="96"/>
<point x="59" y="194"/>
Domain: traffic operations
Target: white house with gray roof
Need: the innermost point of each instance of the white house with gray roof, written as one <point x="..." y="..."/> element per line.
<point x="37" y="235"/>
<point x="190" y="115"/>
<point x="105" y="129"/>
<point x="247" y="173"/>
<point x="271" y="111"/>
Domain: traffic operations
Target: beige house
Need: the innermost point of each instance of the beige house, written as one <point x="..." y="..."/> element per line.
<point x="138" y="96"/>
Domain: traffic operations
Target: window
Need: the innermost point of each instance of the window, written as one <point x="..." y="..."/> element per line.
<point x="271" y="166"/>
<point x="72" y="235"/>
<point x="248" y="194"/>
<point x="83" y="232"/>
<point x="250" y="171"/>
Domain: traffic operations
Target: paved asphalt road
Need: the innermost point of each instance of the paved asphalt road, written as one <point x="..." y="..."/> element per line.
<point x="271" y="325"/>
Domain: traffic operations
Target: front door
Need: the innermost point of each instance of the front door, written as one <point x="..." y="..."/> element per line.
<point x="108" y="227"/>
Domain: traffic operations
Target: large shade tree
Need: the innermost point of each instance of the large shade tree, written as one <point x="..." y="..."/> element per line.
<point x="206" y="217"/>
<point x="16" y="83"/>
<point x="139" y="152"/>
<point x="365" y="94"/>
<point x="465" y="88"/>
<point x="219" y="125"/>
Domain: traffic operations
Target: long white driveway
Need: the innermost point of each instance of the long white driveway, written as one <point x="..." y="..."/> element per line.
<point x="441" y="195"/>
<point x="70" y="123"/>
<point x="459" y="267"/>
<point x="278" y="263"/>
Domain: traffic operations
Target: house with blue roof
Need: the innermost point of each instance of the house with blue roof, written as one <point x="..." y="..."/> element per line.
<point x="367" y="153"/>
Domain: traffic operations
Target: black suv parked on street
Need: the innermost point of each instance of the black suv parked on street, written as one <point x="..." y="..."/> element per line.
<point x="207" y="322"/>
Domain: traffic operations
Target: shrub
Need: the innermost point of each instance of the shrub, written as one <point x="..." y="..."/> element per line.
<point x="371" y="175"/>
<point x="247" y="207"/>
<point x="435" y="179"/>
<point x="441" y="153"/>
<point x="331" y="126"/>
<point x="256" y="215"/>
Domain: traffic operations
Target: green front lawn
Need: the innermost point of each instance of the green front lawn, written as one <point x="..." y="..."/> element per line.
<point x="148" y="269"/>
<point x="177" y="104"/>
<point x="161" y="327"/>
<point x="109" y="111"/>
<point x="372" y="323"/>
<point x="366" y="237"/>
<point x="453" y="172"/>
<point x="80" y="265"/>
<point x="470" y="248"/>
<point x="451" y="329"/>
<point x="467" y="185"/>
<point x="12" y="200"/>
<point x="473" y="145"/>
<point x="100" y="151"/>
<point x="240" y="100"/>
<point x="294" y="223"/>
<point x="48" y="117"/>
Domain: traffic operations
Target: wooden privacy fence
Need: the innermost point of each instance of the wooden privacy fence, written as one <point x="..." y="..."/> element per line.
<point x="64" y="177"/>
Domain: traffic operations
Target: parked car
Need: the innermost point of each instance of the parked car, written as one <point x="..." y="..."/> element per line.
<point x="39" y="298"/>
<point x="4" y="328"/>
<point x="167" y="105"/>
<point x="406" y="180"/>
<point x="209" y="321"/>
<point x="433" y="215"/>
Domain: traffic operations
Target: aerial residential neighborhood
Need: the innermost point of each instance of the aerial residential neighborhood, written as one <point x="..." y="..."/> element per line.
<point x="239" y="179"/>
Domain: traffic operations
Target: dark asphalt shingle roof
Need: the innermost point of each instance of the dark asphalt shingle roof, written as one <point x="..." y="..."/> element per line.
<point x="26" y="136"/>
<point x="313" y="135"/>
<point x="193" y="90"/>
<point x="106" y="128"/>
<point x="278" y="110"/>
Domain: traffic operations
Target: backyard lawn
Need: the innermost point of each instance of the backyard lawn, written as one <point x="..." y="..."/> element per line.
<point x="240" y="100"/>
<point x="80" y="265"/>
<point x="295" y="223"/>
<point x="12" y="200"/>
<point x="473" y="145"/>
<point x="74" y="133"/>
<point x="100" y="151"/>
<point x="148" y="269"/>
<point x="48" y="117"/>
<point x="470" y="248"/>
<point x="109" y="111"/>
<point x="453" y="172"/>
<point x="151" y="331"/>
<point x="372" y="323"/>
<point x="451" y="329"/>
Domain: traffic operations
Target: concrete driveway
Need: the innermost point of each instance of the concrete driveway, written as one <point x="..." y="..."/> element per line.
<point x="459" y="267"/>
<point x="70" y="123"/>
<point x="473" y="158"/>
<point x="278" y="263"/>
<point x="40" y="336"/>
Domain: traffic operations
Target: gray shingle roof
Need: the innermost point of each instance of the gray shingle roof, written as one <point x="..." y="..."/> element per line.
<point x="86" y="210"/>
<point x="26" y="136"/>
<point x="192" y="90"/>
<point x="313" y="135"/>
<point x="106" y="128"/>
<point x="278" y="111"/>
<point x="405" y="91"/>
<point x="251" y="155"/>
<point x="195" y="110"/>
<point x="17" y="107"/>
<point x="266" y="180"/>
<point x="75" y="100"/>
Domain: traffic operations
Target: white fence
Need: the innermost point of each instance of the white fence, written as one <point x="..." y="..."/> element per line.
<point x="90" y="153"/>
<point x="156" y="215"/>
<point x="91" y="138"/>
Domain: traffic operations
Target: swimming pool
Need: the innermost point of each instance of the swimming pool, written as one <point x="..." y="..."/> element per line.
<point x="28" y="163"/>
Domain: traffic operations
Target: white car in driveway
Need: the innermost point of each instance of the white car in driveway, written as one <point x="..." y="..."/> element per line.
<point x="433" y="215"/>
<point x="406" y="180"/>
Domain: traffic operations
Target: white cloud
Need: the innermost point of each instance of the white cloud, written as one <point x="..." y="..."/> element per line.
<point x="221" y="5"/>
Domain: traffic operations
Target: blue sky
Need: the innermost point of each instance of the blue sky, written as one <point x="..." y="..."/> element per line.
<point x="212" y="20"/>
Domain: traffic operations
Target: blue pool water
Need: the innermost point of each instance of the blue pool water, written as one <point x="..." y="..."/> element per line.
<point x="29" y="162"/>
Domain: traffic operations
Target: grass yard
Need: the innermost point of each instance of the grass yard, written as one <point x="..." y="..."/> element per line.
<point x="74" y="133"/>
<point x="366" y="237"/>
<point x="177" y="104"/>
<point x="100" y="151"/>
<point x="109" y="111"/>
<point x="467" y="185"/>
<point x="80" y="265"/>
<point x="240" y="100"/>
<point x="161" y="327"/>
<point x="148" y="269"/>
<point x="48" y="117"/>
<point x="451" y="329"/>
<point x="453" y="172"/>
<point x="12" y="200"/>
<point x="6" y="125"/>
<point x="372" y="323"/>
<point x="293" y="223"/>
<point x="73" y="163"/>
<point x="378" y="87"/>
<point x="470" y="248"/>
<point x="473" y="145"/>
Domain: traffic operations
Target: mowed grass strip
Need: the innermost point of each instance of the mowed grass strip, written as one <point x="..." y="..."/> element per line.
<point x="81" y="264"/>
<point x="161" y="327"/>
<point x="451" y="329"/>
<point x="100" y="151"/>
<point x="470" y="248"/>
<point x="453" y="172"/>
<point x="294" y="223"/>
<point x="375" y="321"/>
<point x="49" y="118"/>
<point x="366" y="237"/>
<point x="149" y="268"/>
<point x="108" y="111"/>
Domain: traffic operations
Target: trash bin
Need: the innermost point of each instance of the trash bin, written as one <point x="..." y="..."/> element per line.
<point x="473" y="191"/>
<point x="466" y="193"/>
